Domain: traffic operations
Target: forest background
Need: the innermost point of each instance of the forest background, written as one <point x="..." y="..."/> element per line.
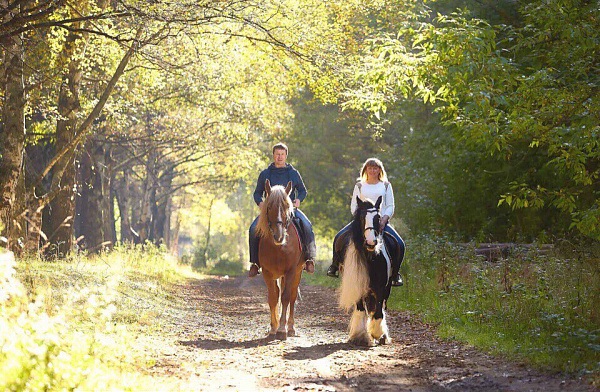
<point x="150" y="121"/>
<point x="126" y="121"/>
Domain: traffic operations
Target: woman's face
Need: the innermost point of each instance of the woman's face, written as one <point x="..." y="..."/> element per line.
<point x="373" y="172"/>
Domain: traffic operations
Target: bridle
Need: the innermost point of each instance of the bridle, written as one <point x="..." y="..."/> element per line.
<point x="375" y="229"/>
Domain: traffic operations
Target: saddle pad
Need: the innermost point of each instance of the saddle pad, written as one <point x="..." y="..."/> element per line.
<point x="386" y="255"/>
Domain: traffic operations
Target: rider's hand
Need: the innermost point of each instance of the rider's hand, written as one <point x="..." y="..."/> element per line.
<point x="384" y="221"/>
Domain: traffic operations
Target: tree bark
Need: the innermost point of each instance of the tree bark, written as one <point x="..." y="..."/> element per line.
<point x="108" y="199"/>
<point x="121" y="190"/>
<point x="162" y="220"/>
<point x="144" y="225"/>
<point x="89" y="222"/>
<point x="62" y="206"/>
<point x="12" y="129"/>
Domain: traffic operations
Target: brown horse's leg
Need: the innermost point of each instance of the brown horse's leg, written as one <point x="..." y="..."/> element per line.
<point x="285" y="301"/>
<point x="295" y="278"/>
<point x="273" y="299"/>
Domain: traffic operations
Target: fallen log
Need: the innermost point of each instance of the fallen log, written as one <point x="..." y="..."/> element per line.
<point x="497" y="250"/>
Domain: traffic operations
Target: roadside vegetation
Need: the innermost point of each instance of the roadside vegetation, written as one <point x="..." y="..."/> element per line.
<point x="72" y="324"/>
<point x="537" y="308"/>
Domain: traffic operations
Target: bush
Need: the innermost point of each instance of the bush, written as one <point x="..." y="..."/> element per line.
<point x="538" y="308"/>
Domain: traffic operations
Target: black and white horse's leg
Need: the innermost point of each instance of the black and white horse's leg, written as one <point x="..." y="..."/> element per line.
<point x="375" y="301"/>
<point x="358" y="326"/>
<point x="378" y="329"/>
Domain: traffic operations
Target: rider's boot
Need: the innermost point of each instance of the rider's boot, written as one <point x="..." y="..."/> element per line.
<point x="333" y="270"/>
<point x="310" y="266"/>
<point x="253" y="271"/>
<point x="397" y="280"/>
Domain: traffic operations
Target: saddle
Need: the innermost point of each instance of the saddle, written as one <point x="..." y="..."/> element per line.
<point x="300" y="229"/>
<point x="342" y="242"/>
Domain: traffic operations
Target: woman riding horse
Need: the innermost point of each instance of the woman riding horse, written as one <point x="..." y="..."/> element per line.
<point x="372" y="184"/>
<point x="366" y="280"/>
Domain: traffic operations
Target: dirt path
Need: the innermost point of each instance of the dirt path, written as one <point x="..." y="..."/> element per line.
<point x="213" y="339"/>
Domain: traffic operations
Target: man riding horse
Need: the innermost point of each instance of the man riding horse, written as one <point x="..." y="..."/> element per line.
<point x="280" y="173"/>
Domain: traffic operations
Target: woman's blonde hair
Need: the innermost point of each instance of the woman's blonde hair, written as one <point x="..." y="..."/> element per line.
<point x="373" y="162"/>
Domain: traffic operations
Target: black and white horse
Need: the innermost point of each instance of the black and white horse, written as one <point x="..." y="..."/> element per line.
<point x="366" y="276"/>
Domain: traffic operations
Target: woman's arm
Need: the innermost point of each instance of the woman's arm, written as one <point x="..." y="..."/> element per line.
<point x="388" y="209"/>
<point x="353" y="203"/>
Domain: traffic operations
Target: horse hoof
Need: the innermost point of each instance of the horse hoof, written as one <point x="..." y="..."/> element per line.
<point x="281" y="335"/>
<point x="291" y="332"/>
<point x="270" y="337"/>
<point x="361" y="341"/>
<point x="384" y="339"/>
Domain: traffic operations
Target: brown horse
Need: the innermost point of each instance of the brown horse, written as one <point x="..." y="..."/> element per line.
<point x="280" y="256"/>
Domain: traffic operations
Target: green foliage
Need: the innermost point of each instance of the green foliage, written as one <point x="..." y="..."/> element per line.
<point x="67" y="328"/>
<point x="225" y="268"/>
<point x="536" y="308"/>
<point x="509" y="95"/>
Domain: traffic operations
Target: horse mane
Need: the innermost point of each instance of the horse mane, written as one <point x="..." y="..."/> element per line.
<point x="277" y="197"/>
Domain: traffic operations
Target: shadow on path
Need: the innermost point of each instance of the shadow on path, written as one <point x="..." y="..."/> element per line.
<point x="321" y="351"/>
<point x="222" y="344"/>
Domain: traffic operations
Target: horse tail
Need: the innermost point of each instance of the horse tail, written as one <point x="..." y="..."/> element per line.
<point x="355" y="279"/>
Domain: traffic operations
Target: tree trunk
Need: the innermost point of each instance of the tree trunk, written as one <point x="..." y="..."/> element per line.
<point x="89" y="222"/>
<point x="108" y="200"/>
<point x="136" y="201"/>
<point x="207" y="243"/>
<point x="36" y="158"/>
<point x="62" y="206"/>
<point x="121" y="190"/>
<point x="161" y="221"/>
<point x="148" y="208"/>
<point x="12" y="129"/>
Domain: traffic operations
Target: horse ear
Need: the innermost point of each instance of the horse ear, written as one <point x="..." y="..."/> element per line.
<point x="268" y="187"/>
<point x="288" y="188"/>
<point x="378" y="203"/>
<point x="359" y="202"/>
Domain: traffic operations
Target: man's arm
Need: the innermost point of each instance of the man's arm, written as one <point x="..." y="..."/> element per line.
<point x="300" y="188"/>
<point x="260" y="187"/>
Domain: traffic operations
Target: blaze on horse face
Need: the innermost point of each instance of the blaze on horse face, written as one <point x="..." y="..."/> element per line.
<point x="278" y="218"/>
<point x="370" y="221"/>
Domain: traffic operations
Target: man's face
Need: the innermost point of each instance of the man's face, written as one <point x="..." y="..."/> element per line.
<point x="279" y="157"/>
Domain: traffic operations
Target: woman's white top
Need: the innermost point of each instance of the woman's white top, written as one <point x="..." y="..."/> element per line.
<point x="372" y="192"/>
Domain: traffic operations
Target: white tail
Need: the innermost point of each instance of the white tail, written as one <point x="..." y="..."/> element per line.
<point x="355" y="279"/>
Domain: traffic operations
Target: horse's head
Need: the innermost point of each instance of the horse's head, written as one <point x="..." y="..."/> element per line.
<point x="368" y="216"/>
<point x="277" y="212"/>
